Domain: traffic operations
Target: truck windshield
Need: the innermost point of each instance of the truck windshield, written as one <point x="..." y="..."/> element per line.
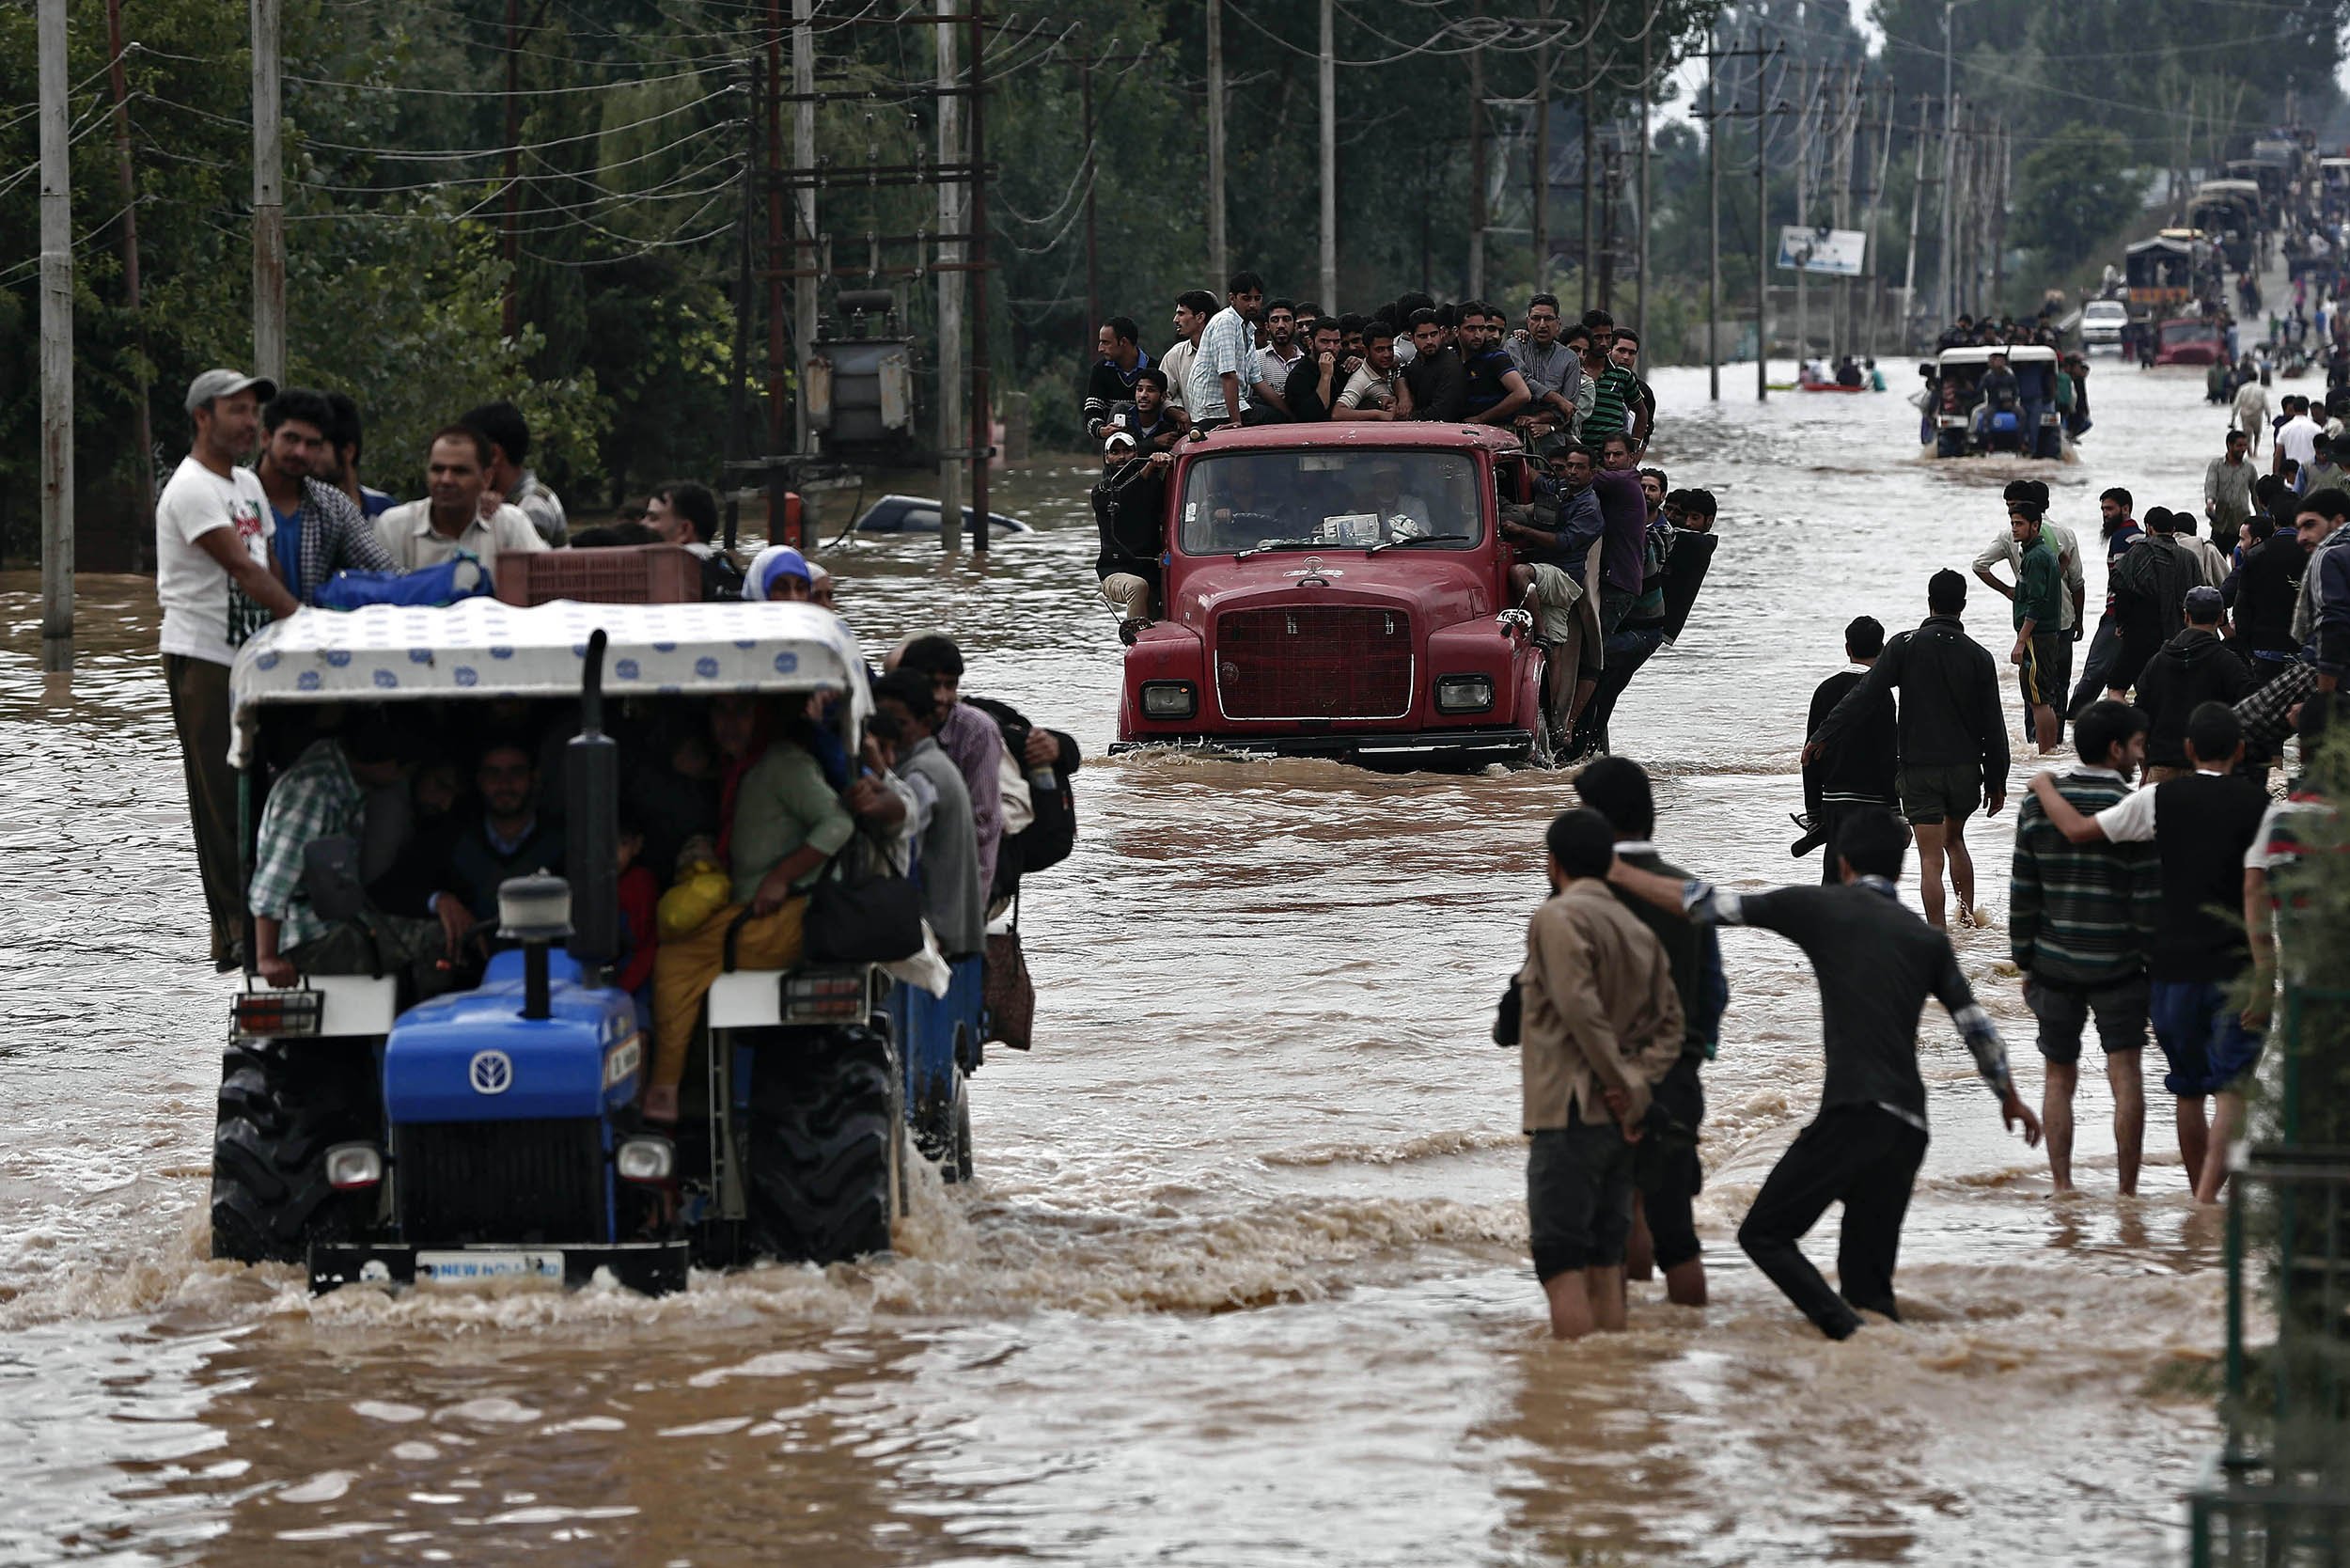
<point x="1330" y="498"/>
<point x="2176" y="333"/>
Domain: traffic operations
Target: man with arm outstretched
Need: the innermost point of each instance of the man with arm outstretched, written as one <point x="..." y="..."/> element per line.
<point x="1876" y="963"/>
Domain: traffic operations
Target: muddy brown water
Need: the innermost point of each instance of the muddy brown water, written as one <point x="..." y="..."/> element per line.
<point x="1241" y="1279"/>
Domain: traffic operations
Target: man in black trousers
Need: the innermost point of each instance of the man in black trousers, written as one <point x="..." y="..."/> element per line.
<point x="1877" y="964"/>
<point x="1863" y="767"/>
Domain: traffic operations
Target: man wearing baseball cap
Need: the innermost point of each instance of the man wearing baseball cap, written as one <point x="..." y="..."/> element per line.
<point x="214" y="581"/>
<point x="2193" y="668"/>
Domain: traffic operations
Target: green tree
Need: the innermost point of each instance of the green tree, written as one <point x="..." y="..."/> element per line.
<point x="2072" y="192"/>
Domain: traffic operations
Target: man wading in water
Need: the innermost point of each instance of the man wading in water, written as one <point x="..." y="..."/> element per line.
<point x="1877" y="964"/>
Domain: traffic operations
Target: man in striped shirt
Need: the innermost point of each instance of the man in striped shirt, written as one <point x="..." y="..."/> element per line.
<point x="2081" y="918"/>
<point x="1227" y="361"/>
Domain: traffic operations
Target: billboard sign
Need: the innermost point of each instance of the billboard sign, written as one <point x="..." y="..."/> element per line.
<point x="1837" y="252"/>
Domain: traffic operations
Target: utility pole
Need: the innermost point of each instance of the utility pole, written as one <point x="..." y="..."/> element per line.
<point x="1949" y="167"/>
<point x="953" y="428"/>
<point x="1477" y="162"/>
<point x="1847" y="123"/>
<point x="1541" y="164"/>
<point x="1869" y="246"/>
<point x="1093" y="249"/>
<point x="1909" y="263"/>
<point x="268" y="202"/>
<point x="1713" y="219"/>
<point x="143" y="427"/>
<point x="1762" y="220"/>
<point x="782" y="256"/>
<point x="57" y="354"/>
<point x="1996" y="195"/>
<point x="1610" y="176"/>
<point x="1329" y="96"/>
<point x="509" y="235"/>
<point x="1216" y="257"/>
<point x="754" y="175"/>
<point x="1583" y="260"/>
<point x="1805" y="105"/>
<point x="803" y="291"/>
<point x="1639" y="302"/>
<point x="982" y="429"/>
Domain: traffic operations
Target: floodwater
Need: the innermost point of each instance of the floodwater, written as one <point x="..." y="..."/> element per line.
<point x="1242" y="1277"/>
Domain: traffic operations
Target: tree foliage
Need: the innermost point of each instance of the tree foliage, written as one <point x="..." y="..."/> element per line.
<point x="2072" y="192"/>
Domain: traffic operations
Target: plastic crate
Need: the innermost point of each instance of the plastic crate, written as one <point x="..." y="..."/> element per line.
<point x="614" y="574"/>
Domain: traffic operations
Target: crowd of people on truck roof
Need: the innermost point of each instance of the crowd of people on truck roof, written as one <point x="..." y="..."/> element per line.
<point x="2129" y="869"/>
<point x="1607" y="557"/>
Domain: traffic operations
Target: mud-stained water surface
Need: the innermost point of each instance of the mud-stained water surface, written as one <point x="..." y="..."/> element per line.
<point x="1241" y="1279"/>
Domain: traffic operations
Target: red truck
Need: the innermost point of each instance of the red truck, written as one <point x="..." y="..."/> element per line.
<point x="1341" y="590"/>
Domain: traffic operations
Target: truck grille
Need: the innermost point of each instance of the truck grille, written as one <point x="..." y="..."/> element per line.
<point x="500" y="1181"/>
<point x="1314" y="662"/>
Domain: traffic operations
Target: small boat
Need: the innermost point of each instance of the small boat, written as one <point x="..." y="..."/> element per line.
<point x="1819" y="386"/>
<point x="918" y="514"/>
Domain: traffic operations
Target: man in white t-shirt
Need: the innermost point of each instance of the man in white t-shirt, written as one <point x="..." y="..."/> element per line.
<point x="214" y="581"/>
<point x="2297" y="438"/>
<point x="428" y="532"/>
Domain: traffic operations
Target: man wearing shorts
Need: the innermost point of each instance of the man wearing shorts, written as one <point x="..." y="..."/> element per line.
<point x="2039" y="653"/>
<point x="1600" y="1026"/>
<point x="1666" y="1175"/>
<point x="1953" y="737"/>
<point x="2202" y="826"/>
<point x="2081" y="918"/>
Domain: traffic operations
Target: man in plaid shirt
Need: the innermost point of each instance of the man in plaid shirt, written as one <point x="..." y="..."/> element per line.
<point x="324" y="795"/>
<point x="319" y="529"/>
<point x="2081" y="921"/>
<point x="1226" y="363"/>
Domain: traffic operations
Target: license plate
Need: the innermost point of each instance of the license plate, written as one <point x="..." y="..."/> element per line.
<point x="457" y="1268"/>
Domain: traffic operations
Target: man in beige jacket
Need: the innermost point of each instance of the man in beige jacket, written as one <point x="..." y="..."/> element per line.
<point x="1599" y="1024"/>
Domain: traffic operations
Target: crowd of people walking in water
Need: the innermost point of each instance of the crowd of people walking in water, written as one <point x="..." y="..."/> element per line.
<point x="2222" y="638"/>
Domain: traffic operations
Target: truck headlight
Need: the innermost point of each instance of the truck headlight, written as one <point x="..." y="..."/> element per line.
<point x="1169" y="699"/>
<point x="645" y="1159"/>
<point x="351" y="1166"/>
<point x="1464" y="694"/>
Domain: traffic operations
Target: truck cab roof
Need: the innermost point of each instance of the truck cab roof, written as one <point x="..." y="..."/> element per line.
<point x="1408" y="432"/>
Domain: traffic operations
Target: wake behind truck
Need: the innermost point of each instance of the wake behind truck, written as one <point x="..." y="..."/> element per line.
<point x="494" y="1132"/>
<point x="1341" y="590"/>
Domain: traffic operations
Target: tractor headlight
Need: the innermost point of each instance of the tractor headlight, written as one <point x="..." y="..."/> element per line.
<point x="1464" y="694"/>
<point x="279" y="1014"/>
<point x="351" y="1166"/>
<point x="645" y="1159"/>
<point x="1169" y="699"/>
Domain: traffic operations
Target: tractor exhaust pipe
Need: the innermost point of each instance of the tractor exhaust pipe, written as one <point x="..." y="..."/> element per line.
<point x="591" y="776"/>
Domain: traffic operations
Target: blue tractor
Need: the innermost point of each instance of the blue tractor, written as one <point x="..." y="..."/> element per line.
<point x="494" y="1131"/>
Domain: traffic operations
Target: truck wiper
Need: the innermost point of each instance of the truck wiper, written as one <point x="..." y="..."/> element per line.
<point x="1277" y="544"/>
<point x="1419" y="539"/>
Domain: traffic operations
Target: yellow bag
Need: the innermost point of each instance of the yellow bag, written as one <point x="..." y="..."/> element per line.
<point x="687" y="907"/>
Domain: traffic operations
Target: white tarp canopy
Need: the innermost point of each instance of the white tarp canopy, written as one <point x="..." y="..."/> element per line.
<point x="480" y="648"/>
<point x="2018" y="354"/>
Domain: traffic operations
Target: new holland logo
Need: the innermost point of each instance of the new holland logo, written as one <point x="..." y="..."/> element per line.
<point x="491" y="1073"/>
